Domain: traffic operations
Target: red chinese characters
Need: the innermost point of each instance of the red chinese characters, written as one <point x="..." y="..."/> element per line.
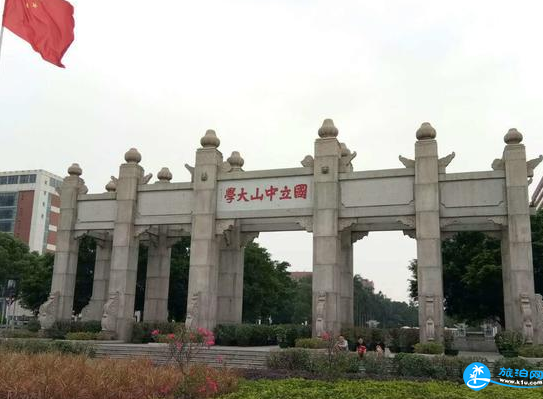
<point x="298" y="191"/>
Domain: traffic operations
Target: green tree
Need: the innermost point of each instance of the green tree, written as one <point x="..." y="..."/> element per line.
<point x="472" y="273"/>
<point x="85" y="273"/>
<point x="369" y="305"/>
<point x="35" y="282"/>
<point x="179" y="279"/>
<point x="32" y="271"/>
<point x="268" y="289"/>
<point x="301" y="300"/>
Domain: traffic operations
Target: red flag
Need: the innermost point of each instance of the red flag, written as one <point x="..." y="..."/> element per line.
<point x="48" y="25"/>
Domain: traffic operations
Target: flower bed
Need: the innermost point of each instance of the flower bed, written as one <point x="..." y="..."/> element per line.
<point x="57" y="376"/>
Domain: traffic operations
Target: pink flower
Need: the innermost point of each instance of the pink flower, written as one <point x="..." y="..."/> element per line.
<point x="154" y="333"/>
<point x="179" y="346"/>
<point x="210" y="342"/>
<point x="171" y="336"/>
<point x="325" y="336"/>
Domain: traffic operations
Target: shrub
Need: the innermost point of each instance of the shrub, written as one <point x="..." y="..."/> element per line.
<point x="411" y="365"/>
<point x="509" y="342"/>
<point x="203" y="381"/>
<point x="225" y="334"/>
<point x="440" y="367"/>
<point x="34" y="346"/>
<point x="141" y="332"/>
<point x="295" y="331"/>
<point x="432" y="348"/>
<point x="260" y="334"/>
<point x="403" y="339"/>
<point x="310" y="343"/>
<point x="531" y="351"/>
<point x="321" y="363"/>
<point x="53" y="376"/>
<point x="300" y="388"/>
<point x="339" y="363"/>
<point x="62" y="327"/>
<point x="18" y="334"/>
<point x="33" y="325"/>
<point x="374" y="364"/>
<point x="81" y="336"/>
<point x="371" y="336"/>
<point x="513" y="363"/>
<point x="290" y="359"/>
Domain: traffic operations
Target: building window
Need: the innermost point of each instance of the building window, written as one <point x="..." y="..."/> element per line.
<point x="13" y="179"/>
<point x="3" y="180"/>
<point x="7" y="213"/>
<point x="27" y="179"/>
<point x="6" y="226"/>
<point x="8" y="199"/>
<point x="54" y="182"/>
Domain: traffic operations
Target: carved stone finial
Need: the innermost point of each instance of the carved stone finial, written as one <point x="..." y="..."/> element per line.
<point x="75" y="170"/>
<point x="132" y="156"/>
<point x="164" y="175"/>
<point x="344" y="150"/>
<point x="308" y="161"/>
<point x="111" y="186"/>
<point x="426" y="132"/>
<point x="328" y="130"/>
<point x="513" y="136"/>
<point x="210" y="140"/>
<point x="236" y="161"/>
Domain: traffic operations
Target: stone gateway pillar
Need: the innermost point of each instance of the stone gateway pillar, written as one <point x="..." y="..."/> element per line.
<point x="326" y="241"/>
<point x="346" y="285"/>
<point x="428" y="234"/>
<point x="204" y="246"/>
<point x="517" y="265"/>
<point x="118" y="312"/>
<point x="230" y="284"/>
<point x="100" y="285"/>
<point x="157" y="284"/>
<point x="60" y="303"/>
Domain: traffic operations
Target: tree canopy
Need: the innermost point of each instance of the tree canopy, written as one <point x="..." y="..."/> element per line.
<point x="32" y="271"/>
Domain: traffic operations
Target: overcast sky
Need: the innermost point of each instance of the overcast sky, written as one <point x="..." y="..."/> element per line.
<point x="264" y="74"/>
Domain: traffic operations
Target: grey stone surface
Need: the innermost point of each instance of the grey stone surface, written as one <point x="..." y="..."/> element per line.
<point x="339" y="206"/>
<point x="124" y="256"/>
<point x="157" y="283"/>
<point x="65" y="266"/>
<point x="429" y="270"/>
<point x="100" y="287"/>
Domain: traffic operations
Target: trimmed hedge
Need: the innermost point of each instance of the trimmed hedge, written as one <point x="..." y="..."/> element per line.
<point x="397" y="339"/>
<point x="439" y="367"/>
<point x="402" y="365"/>
<point x="531" y="351"/>
<point x="432" y="348"/>
<point x="300" y="388"/>
<point x="81" y="336"/>
<point x="312" y="361"/>
<point x="18" y="333"/>
<point x="141" y="332"/>
<point x="310" y="343"/>
<point x="33" y="346"/>
<point x="259" y="334"/>
<point x="515" y="363"/>
<point x="63" y="327"/>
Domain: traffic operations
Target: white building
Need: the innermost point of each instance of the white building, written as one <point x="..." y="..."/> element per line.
<point x="29" y="207"/>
